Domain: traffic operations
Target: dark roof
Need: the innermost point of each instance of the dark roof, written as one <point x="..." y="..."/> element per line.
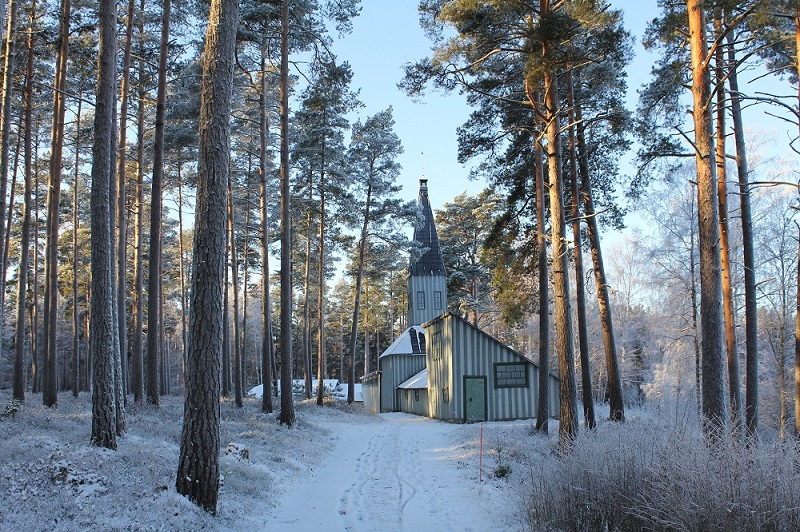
<point x="430" y="263"/>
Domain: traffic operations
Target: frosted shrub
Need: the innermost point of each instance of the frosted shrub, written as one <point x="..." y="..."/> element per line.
<point x="634" y="477"/>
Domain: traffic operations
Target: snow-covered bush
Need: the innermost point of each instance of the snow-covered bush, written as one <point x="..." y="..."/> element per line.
<point x="644" y="477"/>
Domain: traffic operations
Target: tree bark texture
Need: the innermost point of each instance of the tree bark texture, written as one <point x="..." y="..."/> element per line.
<point x="5" y="132"/>
<point x="122" y="227"/>
<point x="321" y="291"/>
<point x="154" y="263"/>
<point x="543" y="411"/>
<point x="614" y="375"/>
<point x="101" y="325"/>
<point x="711" y="318"/>
<point x="198" y="466"/>
<point x="750" y="300"/>
<point x="562" y="313"/>
<point x="287" y="405"/>
<point x="267" y="351"/>
<point x="237" y="355"/>
<point x="49" y="384"/>
<point x="580" y="287"/>
<point x="728" y="303"/>
<point x="362" y="248"/>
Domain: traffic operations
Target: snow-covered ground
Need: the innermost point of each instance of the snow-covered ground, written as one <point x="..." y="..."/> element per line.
<point x="338" y="469"/>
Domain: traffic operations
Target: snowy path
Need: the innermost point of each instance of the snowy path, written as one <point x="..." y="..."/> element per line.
<point x="399" y="472"/>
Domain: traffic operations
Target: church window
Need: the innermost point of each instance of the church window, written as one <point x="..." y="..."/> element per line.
<point x="437" y="300"/>
<point x="420" y="300"/>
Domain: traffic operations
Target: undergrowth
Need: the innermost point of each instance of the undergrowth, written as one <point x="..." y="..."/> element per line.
<point x="639" y="477"/>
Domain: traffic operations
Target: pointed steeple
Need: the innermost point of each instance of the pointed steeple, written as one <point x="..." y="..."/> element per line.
<point x="427" y="281"/>
<point x="430" y="263"/>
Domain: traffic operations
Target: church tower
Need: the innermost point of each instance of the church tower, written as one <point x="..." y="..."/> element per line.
<point x="427" y="281"/>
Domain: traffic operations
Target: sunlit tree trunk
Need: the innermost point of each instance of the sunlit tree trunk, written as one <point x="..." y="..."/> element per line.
<point x="711" y="317"/>
<point x="728" y="304"/>
<point x="198" y="465"/>
<point x="580" y="287"/>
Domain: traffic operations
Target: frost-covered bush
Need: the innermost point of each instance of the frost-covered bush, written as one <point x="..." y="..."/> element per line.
<point x="643" y="477"/>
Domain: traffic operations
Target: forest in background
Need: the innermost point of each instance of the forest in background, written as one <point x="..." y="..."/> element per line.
<point x="100" y="151"/>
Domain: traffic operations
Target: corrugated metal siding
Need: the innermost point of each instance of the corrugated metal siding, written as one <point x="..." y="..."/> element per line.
<point x="408" y="403"/>
<point x="370" y="389"/>
<point x="394" y="370"/>
<point x="429" y="285"/>
<point x="440" y="375"/>
<point x="467" y="351"/>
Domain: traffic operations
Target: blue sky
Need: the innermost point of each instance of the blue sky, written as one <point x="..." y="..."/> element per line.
<point x="387" y="35"/>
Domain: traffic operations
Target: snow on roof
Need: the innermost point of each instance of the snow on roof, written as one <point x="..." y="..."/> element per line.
<point x="420" y="380"/>
<point x="411" y="342"/>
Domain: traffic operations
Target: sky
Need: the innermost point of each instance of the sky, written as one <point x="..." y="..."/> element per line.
<point x="387" y="35"/>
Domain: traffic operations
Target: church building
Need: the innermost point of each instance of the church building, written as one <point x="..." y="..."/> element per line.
<point x="442" y="366"/>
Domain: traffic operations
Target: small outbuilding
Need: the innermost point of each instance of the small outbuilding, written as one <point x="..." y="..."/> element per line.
<point x="412" y="395"/>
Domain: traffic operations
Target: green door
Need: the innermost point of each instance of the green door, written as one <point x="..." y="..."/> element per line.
<point x="475" y="398"/>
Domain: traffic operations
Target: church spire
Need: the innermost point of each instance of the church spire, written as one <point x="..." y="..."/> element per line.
<point x="427" y="281"/>
<point x="430" y="263"/>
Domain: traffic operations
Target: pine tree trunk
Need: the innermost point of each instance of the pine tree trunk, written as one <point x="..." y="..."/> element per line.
<point x="237" y="355"/>
<point x="102" y="326"/>
<point x="119" y="386"/>
<point x="321" y="290"/>
<point x="543" y="411"/>
<point x="137" y="340"/>
<point x="562" y="313"/>
<point x="22" y="280"/>
<point x="306" y="299"/>
<point x="580" y="288"/>
<point x="616" y="404"/>
<point x="267" y="351"/>
<point x="182" y="274"/>
<point x="750" y="301"/>
<point x="226" y="325"/>
<point x="37" y="357"/>
<point x="122" y="235"/>
<point x="198" y="466"/>
<point x="75" y="228"/>
<point x="154" y="262"/>
<point x="711" y="317"/>
<point x="50" y="366"/>
<point x="797" y="345"/>
<point x="287" y="415"/>
<point x="5" y="131"/>
<point x="362" y="249"/>
<point x="728" y="304"/>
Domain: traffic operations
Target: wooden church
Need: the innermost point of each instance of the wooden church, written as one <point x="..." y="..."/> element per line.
<point x="442" y="366"/>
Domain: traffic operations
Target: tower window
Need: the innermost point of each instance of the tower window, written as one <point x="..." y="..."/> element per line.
<point x="420" y="300"/>
<point x="437" y="301"/>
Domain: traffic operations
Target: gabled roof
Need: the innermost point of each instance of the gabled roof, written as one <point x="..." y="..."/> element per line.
<point x="430" y="263"/>
<point x="418" y="381"/>
<point x="411" y="342"/>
